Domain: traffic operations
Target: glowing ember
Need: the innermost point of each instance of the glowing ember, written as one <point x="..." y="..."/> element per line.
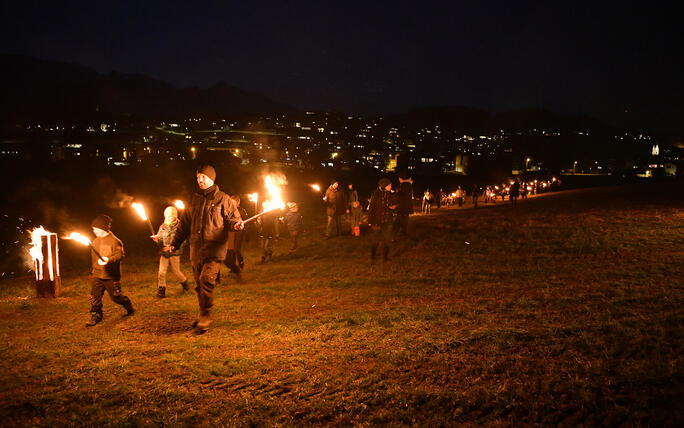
<point x="253" y="197"/>
<point x="138" y="207"/>
<point x="275" y="200"/>
<point x="179" y="204"/>
<point x="316" y="187"/>
<point x="78" y="238"/>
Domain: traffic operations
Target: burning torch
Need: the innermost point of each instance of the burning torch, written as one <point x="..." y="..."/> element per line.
<point x="276" y="201"/>
<point x="85" y="241"/>
<point x="317" y="188"/>
<point x="138" y="207"/>
<point x="179" y="204"/>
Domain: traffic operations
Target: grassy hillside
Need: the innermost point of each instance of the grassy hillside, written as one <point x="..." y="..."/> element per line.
<point x="566" y="309"/>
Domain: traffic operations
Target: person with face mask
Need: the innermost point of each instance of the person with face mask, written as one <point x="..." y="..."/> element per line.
<point x="205" y="223"/>
<point x="106" y="254"/>
<point x="164" y="237"/>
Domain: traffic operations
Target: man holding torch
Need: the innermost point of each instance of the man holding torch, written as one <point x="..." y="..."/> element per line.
<point x="205" y="222"/>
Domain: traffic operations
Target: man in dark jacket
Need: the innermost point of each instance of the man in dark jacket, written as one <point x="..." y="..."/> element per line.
<point x="381" y="211"/>
<point x="405" y="204"/>
<point x="335" y="207"/>
<point x="210" y="215"/>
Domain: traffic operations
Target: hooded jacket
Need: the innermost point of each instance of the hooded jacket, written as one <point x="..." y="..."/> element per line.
<point x="210" y="215"/>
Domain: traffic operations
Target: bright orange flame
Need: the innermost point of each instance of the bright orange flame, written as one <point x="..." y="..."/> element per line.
<point x="138" y="207"/>
<point x="36" y="249"/>
<point x="253" y="197"/>
<point x="78" y="238"/>
<point x="179" y="204"/>
<point x="36" y="252"/>
<point x="316" y="187"/>
<point x="274" y="193"/>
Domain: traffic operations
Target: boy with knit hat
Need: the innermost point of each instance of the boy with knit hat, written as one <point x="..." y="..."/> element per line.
<point x="163" y="238"/>
<point x="106" y="269"/>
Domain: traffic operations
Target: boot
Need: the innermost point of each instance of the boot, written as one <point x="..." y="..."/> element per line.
<point x="185" y="285"/>
<point x="161" y="292"/>
<point x="202" y="324"/>
<point x="129" y="308"/>
<point x="94" y="319"/>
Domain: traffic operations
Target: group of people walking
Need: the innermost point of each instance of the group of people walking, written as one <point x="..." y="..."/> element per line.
<point x="212" y="226"/>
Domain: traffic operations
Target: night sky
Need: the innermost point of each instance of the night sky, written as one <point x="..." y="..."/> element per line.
<point x="614" y="61"/>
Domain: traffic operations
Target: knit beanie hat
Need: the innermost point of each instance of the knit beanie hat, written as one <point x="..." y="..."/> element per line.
<point x="207" y="170"/>
<point x="103" y="222"/>
<point x="292" y="205"/>
<point x="384" y="182"/>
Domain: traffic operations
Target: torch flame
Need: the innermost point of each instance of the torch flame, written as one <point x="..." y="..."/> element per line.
<point x="138" y="207"/>
<point x="316" y="187"/>
<point x="179" y="204"/>
<point x="78" y="238"/>
<point x="274" y="192"/>
<point x="253" y="197"/>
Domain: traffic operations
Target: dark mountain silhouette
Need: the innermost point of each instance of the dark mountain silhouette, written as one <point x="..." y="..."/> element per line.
<point x="36" y="89"/>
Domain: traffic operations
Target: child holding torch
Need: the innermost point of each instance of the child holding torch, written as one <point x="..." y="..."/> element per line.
<point x="163" y="238"/>
<point x="106" y="254"/>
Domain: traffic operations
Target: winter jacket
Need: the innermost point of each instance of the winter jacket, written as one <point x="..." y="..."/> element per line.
<point x="165" y="236"/>
<point x="210" y="215"/>
<point x="111" y="247"/>
<point x="380" y="211"/>
<point x="294" y="221"/>
<point x="335" y="203"/>
<point x="356" y="216"/>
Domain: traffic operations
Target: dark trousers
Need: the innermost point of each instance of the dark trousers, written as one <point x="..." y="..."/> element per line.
<point x="401" y="225"/>
<point x="381" y="237"/>
<point x="336" y="221"/>
<point x="205" y="279"/>
<point x="97" y="289"/>
<point x="234" y="259"/>
<point x="294" y="237"/>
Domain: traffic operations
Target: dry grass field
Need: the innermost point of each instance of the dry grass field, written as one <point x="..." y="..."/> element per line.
<point x="566" y="309"/>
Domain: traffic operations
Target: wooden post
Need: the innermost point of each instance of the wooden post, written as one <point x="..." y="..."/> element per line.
<point x="48" y="278"/>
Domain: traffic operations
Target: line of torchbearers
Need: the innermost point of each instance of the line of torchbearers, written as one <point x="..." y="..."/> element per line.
<point x="213" y="223"/>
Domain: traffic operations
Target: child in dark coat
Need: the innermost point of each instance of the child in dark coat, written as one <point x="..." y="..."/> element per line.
<point x="106" y="269"/>
<point x="356" y="214"/>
